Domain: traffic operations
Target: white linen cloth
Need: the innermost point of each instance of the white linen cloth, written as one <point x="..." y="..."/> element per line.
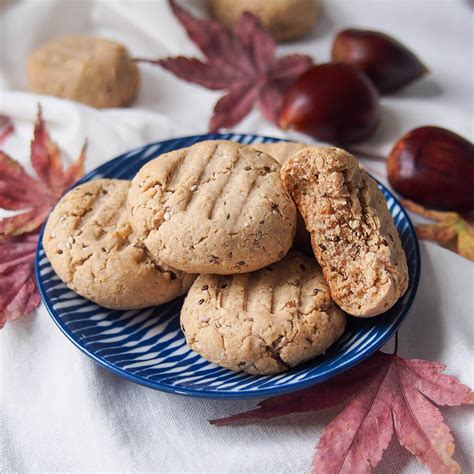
<point x="59" y="411"/>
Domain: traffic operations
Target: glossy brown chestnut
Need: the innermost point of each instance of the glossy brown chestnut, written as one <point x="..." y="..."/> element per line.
<point x="332" y="102"/>
<point x="434" y="167"/>
<point x="389" y="64"/>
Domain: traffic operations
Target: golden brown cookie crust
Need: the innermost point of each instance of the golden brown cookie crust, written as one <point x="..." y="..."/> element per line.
<point x="353" y="234"/>
<point x="281" y="151"/>
<point x="216" y="207"/>
<point x="95" y="71"/>
<point x="262" y="322"/>
<point x="93" y="249"/>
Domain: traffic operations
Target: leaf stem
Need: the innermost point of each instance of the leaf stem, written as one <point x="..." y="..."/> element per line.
<point x="395" y="349"/>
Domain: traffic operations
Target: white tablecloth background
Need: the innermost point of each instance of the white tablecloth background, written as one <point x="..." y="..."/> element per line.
<point x="61" y="412"/>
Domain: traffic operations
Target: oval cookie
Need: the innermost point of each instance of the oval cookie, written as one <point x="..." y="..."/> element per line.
<point x="93" y="249"/>
<point x="281" y="151"/>
<point x="352" y="232"/>
<point x="216" y="207"/>
<point x="262" y="322"/>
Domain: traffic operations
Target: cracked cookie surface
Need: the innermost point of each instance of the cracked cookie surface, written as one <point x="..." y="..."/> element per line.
<point x="94" y="250"/>
<point x="352" y="232"/>
<point x="215" y="207"/>
<point x="262" y="322"/>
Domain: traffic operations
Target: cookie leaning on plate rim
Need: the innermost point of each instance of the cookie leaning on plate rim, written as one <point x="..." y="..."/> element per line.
<point x="216" y="207"/>
<point x="94" y="250"/>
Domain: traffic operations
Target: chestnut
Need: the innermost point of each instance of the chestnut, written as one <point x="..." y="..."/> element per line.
<point x="389" y="64"/>
<point x="433" y="167"/>
<point x="334" y="102"/>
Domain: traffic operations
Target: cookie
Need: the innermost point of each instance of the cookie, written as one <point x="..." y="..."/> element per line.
<point x="262" y="322"/>
<point x="93" y="249"/>
<point x="95" y="71"/>
<point x="215" y="207"/>
<point x="284" y="19"/>
<point x="281" y="151"/>
<point x="353" y="234"/>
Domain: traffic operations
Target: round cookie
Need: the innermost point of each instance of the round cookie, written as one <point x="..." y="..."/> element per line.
<point x="284" y="19"/>
<point x="215" y="207"/>
<point x="93" y="249"/>
<point x="262" y="322"/>
<point x="95" y="71"/>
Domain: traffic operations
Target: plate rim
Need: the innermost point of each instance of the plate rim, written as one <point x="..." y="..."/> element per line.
<point x="205" y="393"/>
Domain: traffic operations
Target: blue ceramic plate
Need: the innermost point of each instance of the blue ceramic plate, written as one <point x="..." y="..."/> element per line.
<point x="148" y="347"/>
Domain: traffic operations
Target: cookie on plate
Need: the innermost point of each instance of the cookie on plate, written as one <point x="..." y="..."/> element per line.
<point x="353" y="234"/>
<point x="262" y="322"/>
<point x="215" y="207"/>
<point x="281" y="151"/>
<point x="95" y="71"/>
<point x="93" y="249"/>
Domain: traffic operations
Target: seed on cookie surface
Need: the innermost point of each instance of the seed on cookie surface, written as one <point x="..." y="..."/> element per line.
<point x="194" y="188"/>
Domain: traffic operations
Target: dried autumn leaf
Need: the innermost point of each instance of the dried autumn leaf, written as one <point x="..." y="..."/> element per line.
<point x="242" y="63"/>
<point x="6" y="128"/>
<point x="451" y="229"/>
<point x="388" y="394"/>
<point x="33" y="198"/>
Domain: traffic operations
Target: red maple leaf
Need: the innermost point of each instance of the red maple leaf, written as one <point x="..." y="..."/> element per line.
<point x="242" y="63"/>
<point x="6" y="128"/>
<point x="32" y="199"/>
<point x="387" y="394"/>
